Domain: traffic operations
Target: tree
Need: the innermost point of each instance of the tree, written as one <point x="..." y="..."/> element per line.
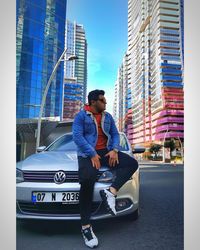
<point x="170" y="144"/>
<point x="154" y="148"/>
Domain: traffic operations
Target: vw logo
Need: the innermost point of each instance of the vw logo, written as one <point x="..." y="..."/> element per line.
<point x="59" y="177"/>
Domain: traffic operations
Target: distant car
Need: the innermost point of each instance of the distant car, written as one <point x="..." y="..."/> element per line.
<point x="48" y="188"/>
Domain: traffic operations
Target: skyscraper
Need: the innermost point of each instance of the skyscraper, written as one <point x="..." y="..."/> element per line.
<point x="155" y="70"/>
<point x="40" y="29"/>
<point x="75" y="72"/>
<point x="120" y="106"/>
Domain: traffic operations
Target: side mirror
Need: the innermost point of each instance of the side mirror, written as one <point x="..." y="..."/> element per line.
<point x="41" y="148"/>
<point x="138" y="150"/>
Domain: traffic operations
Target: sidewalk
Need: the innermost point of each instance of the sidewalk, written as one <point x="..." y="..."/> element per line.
<point x="157" y="163"/>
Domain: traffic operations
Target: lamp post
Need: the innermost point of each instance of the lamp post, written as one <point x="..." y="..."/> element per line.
<point x="70" y="58"/>
<point x="32" y="105"/>
<point x="164" y="144"/>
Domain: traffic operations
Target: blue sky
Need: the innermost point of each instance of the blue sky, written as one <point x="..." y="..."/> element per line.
<point x="105" y="23"/>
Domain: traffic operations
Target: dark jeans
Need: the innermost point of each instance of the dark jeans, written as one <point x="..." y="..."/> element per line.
<point x="88" y="174"/>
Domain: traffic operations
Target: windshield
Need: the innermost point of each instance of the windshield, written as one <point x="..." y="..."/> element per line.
<point x="123" y="143"/>
<point x="66" y="143"/>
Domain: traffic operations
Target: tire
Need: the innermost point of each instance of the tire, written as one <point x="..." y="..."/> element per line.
<point x="133" y="216"/>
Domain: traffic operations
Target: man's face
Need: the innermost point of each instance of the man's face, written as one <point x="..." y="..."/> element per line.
<point x="100" y="104"/>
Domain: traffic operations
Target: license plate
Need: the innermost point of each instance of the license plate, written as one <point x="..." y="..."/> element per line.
<point x="64" y="197"/>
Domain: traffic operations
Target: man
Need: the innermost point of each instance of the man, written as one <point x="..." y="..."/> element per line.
<point x="97" y="140"/>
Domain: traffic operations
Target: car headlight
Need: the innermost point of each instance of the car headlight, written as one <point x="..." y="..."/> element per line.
<point x="107" y="176"/>
<point x="19" y="176"/>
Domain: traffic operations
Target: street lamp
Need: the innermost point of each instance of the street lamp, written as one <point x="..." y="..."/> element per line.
<point x="70" y="58"/>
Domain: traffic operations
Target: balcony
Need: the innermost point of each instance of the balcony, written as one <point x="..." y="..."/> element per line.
<point x="172" y="84"/>
<point x="173" y="98"/>
<point x="168" y="120"/>
<point x="168" y="135"/>
<point x="172" y="91"/>
<point x="174" y="105"/>
<point x="147" y="125"/>
<point x="171" y="78"/>
<point x="167" y="127"/>
<point x="175" y="66"/>
<point x="168" y="112"/>
<point x="171" y="71"/>
<point x="130" y="126"/>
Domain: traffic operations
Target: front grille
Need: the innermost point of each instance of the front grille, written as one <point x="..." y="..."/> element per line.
<point x="48" y="176"/>
<point x="57" y="209"/>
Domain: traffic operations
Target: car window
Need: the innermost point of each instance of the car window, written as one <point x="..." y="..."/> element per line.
<point x="65" y="143"/>
<point x="123" y="143"/>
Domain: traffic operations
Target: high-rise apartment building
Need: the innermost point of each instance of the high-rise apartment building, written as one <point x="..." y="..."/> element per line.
<point x="40" y="31"/>
<point x="75" y="72"/>
<point x="155" y="70"/>
<point x="120" y="107"/>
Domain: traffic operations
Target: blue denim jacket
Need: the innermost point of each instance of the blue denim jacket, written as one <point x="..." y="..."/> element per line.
<point x="85" y="132"/>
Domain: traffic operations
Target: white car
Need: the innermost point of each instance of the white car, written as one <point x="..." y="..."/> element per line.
<point x="48" y="187"/>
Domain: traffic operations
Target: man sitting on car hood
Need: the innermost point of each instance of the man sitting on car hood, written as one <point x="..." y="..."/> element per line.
<point x="97" y="140"/>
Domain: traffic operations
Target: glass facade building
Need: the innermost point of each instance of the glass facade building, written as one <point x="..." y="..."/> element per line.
<point x="72" y="98"/>
<point x="155" y="98"/>
<point x="75" y="72"/>
<point x="40" y="31"/>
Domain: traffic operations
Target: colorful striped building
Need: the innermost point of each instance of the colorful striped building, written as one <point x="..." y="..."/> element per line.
<point x="155" y="71"/>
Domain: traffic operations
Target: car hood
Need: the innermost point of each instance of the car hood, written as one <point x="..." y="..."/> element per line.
<point x="51" y="161"/>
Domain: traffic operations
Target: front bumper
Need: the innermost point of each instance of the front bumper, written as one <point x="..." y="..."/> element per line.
<point x="126" y="203"/>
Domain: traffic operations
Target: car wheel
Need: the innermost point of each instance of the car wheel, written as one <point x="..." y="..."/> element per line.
<point x="134" y="216"/>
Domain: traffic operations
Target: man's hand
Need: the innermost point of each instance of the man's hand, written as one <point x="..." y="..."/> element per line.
<point x="95" y="161"/>
<point x="113" y="158"/>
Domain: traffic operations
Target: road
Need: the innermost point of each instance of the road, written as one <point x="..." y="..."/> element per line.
<point x="159" y="227"/>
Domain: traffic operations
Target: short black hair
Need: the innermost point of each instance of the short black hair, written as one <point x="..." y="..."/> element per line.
<point x="94" y="95"/>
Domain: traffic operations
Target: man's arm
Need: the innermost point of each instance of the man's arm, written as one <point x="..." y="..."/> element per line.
<point x="78" y="131"/>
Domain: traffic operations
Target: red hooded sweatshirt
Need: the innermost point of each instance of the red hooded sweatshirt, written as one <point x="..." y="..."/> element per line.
<point x="102" y="138"/>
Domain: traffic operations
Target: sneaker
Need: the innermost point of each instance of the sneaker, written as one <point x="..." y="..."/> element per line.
<point x="109" y="200"/>
<point x="89" y="237"/>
